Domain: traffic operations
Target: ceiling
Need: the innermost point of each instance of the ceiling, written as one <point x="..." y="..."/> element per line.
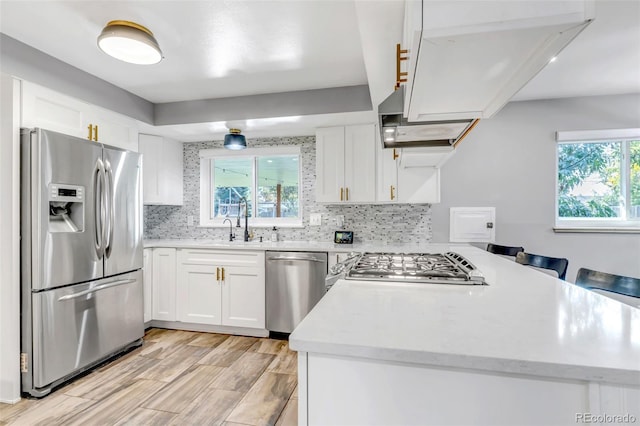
<point x="225" y="48"/>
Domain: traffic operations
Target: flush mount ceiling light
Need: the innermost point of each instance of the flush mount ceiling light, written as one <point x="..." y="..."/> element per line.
<point x="130" y="42"/>
<point x="234" y="140"/>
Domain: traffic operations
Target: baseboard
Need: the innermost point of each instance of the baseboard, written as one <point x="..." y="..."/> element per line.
<point x="10" y="401"/>
<point x="223" y="329"/>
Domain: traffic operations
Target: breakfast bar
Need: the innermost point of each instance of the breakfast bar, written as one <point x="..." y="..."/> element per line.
<point x="527" y="348"/>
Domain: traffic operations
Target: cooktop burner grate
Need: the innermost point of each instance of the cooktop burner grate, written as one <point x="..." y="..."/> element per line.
<point x="445" y="268"/>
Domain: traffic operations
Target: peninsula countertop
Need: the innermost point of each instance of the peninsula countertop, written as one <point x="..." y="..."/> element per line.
<point x="523" y="322"/>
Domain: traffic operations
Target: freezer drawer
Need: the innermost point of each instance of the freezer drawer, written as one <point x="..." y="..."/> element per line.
<point x="294" y="284"/>
<point x="76" y="326"/>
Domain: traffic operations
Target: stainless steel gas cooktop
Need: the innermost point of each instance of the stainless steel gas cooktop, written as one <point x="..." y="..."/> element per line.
<point x="436" y="268"/>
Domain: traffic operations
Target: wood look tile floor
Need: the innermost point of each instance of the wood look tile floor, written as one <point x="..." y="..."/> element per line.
<point x="177" y="378"/>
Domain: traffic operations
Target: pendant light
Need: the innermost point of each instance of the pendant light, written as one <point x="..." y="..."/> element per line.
<point x="130" y="42"/>
<point x="234" y="140"/>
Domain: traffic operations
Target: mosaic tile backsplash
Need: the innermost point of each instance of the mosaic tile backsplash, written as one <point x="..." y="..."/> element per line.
<point x="370" y="223"/>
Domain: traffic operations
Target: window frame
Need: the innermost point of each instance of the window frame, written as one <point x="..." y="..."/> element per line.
<point x="207" y="183"/>
<point x="625" y="136"/>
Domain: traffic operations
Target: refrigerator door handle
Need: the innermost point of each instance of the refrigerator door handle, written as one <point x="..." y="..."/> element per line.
<point x="110" y="207"/>
<point x="98" y="184"/>
<point x="93" y="290"/>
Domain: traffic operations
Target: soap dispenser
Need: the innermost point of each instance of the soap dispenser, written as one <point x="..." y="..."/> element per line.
<point x="274" y="234"/>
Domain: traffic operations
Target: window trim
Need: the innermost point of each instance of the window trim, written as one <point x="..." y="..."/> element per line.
<point x="612" y="225"/>
<point x="206" y="155"/>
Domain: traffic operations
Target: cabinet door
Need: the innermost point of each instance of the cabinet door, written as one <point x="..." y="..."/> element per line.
<point x="243" y="297"/>
<point x="360" y="163"/>
<point x="164" y="284"/>
<point x="151" y="149"/>
<point x="113" y="129"/>
<point x="162" y="174"/>
<point x="418" y="185"/>
<point x="199" y="295"/>
<point x="147" y="282"/>
<point x="172" y="172"/>
<point x="387" y="175"/>
<point x="330" y="164"/>
<point x="42" y="107"/>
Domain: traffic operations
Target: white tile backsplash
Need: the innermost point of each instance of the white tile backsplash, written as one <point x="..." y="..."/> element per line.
<point x="370" y="223"/>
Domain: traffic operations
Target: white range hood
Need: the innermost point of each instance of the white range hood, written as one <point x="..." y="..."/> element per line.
<point x="467" y="59"/>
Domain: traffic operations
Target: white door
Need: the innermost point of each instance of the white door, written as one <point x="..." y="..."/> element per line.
<point x="164" y="284"/>
<point x="200" y="294"/>
<point x="243" y="297"/>
<point x="360" y="163"/>
<point x="330" y="164"/>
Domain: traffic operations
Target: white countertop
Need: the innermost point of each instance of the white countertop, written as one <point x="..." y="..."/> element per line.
<point x="293" y="246"/>
<point x="524" y="322"/>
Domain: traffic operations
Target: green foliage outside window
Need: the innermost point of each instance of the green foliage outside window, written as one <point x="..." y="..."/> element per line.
<point x="589" y="180"/>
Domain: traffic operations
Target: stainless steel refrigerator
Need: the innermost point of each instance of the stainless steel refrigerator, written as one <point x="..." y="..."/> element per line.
<point x="81" y="243"/>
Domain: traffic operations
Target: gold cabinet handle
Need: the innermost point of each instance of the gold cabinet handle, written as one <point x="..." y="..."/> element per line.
<point x="393" y="196"/>
<point x="341" y="194"/>
<point x="222" y="274"/>
<point x="218" y="274"/>
<point x="90" y="128"/>
<point x="395" y="155"/>
<point x="95" y="134"/>
<point x="347" y="191"/>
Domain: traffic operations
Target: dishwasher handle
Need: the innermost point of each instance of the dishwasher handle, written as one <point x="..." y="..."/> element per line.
<point x="309" y="259"/>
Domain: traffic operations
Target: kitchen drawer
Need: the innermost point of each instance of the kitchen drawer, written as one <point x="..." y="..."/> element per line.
<point x="221" y="257"/>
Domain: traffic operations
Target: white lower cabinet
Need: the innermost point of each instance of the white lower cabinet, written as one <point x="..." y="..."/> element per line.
<point x="147" y="283"/>
<point x="221" y="288"/>
<point x="200" y="293"/>
<point x="164" y="284"/>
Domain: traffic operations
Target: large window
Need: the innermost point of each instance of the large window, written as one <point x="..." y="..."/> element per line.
<point x="268" y="179"/>
<point x="598" y="179"/>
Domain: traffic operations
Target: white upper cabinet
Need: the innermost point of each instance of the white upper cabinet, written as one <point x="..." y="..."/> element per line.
<point x="408" y="181"/>
<point x="162" y="170"/>
<point x="48" y="109"/>
<point x="468" y="58"/>
<point x="346" y="164"/>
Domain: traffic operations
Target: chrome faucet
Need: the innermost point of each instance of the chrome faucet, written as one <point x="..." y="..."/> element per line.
<point x="231" y="236"/>
<point x="246" y="217"/>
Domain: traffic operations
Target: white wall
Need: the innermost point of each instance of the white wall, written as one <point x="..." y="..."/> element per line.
<point x="9" y="240"/>
<point x="508" y="162"/>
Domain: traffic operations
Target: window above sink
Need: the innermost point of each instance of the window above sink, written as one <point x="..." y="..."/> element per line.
<point x="268" y="178"/>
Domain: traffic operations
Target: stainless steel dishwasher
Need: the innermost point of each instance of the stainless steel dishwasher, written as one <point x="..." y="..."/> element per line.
<point x="295" y="283"/>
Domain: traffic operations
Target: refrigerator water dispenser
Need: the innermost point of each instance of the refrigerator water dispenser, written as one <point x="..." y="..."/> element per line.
<point x="66" y="208"/>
